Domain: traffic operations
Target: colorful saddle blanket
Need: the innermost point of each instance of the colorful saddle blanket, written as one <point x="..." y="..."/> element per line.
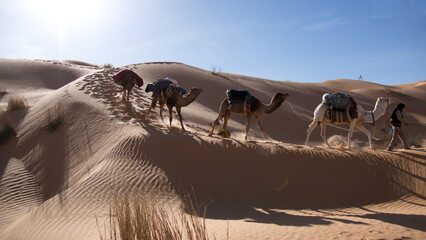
<point x="120" y="77"/>
<point x="238" y="96"/>
<point x="339" y="104"/>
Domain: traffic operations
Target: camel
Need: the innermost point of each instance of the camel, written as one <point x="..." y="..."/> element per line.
<point x="127" y="79"/>
<point x="255" y="109"/>
<point x="156" y="88"/>
<point x="128" y="83"/>
<point x="379" y="110"/>
<point x="172" y="97"/>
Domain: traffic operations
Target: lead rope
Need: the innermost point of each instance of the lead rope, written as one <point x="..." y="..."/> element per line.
<point x="301" y="116"/>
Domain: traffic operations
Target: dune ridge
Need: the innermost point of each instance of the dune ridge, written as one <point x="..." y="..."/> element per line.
<point x="55" y="185"/>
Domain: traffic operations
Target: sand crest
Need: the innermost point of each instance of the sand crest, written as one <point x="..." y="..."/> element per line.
<point x="57" y="184"/>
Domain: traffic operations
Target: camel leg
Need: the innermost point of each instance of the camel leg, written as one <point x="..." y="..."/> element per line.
<point x="161" y="110"/>
<point x="123" y="94"/>
<point x="259" y="123"/>
<point x="215" y="123"/>
<point x="149" y="109"/>
<point x="364" y="130"/>
<point x="180" y="118"/>
<point x="247" y="126"/>
<point x="324" y="133"/>
<point x="128" y="94"/>
<point x="310" y="129"/>
<point x="225" y="120"/>
<point x="153" y="103"/>
<point x="170" y="115"/>
<point x="351" y="131"/>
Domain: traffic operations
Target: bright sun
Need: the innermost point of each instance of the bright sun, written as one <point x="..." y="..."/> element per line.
<point x="65" y="12"/>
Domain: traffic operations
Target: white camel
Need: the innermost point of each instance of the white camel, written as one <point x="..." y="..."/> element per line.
<point x="382" y="104"/>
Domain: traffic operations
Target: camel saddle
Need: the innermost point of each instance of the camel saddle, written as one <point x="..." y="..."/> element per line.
<point x="238" y="96"/>
<point x="171" y="89"/>
<point x="341" y="107"/>
<point x="125" y="75"/>
<point x="162" y="84"/>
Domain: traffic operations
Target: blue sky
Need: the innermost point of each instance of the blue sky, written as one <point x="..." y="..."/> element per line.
<point x="296" y="40"/>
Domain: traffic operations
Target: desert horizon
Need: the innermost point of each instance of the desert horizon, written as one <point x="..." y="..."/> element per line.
<point x="76" y="145"/>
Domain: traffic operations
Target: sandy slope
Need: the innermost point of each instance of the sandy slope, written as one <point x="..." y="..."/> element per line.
<point x="54" y="185"/>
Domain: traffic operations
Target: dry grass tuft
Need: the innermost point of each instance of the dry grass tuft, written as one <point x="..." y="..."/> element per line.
<point x="107" y="65"/>
<point x="137" y="218"/>
<point x="16" y="103"/>
<point x="2" y="91"/>
<point x="54" y="118"/>
<point x="6" y="128"/>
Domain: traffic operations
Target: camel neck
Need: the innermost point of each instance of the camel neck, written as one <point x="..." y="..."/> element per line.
<point x="378" y="111"/>
<point x="274" y="105"/>
<point x="185" y="101"/>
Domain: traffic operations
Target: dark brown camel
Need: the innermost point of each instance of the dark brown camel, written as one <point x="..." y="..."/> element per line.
<point x="255" y="108"/>
<point x="173" y="98"/>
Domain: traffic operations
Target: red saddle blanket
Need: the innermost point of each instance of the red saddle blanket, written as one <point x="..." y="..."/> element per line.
<point x="120" y="76"/>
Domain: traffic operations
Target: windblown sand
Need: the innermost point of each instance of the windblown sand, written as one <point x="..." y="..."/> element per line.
<point x="58" y="184"/>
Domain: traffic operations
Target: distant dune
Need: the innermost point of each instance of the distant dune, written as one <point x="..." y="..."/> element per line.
<point x="57" y="184"/>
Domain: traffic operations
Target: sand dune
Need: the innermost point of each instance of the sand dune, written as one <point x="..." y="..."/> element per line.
<point x="55" y="185"/>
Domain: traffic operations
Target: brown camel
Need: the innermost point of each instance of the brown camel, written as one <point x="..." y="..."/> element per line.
<point x="255" y="108"/>
<point x="173" y="98"/>
<point x="128" y="83"/>
<point x="127" y="79"/>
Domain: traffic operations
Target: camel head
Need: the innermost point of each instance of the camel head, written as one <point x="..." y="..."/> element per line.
<point x="385" y="101"/>
<point x="280" y="97"/>
<point x="196" y="91"/>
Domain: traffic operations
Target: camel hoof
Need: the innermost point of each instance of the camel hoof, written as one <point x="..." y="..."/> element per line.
<point x="225" y="134"/>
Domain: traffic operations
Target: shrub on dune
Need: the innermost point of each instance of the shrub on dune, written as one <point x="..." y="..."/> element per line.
<point x="54" y="118"/>
<point x="107" y="65"/>
<point x="2" y="91"/>
<point x="137" y="218"/>
<point x="6" y="128"/>
<point x="16" y="103"/>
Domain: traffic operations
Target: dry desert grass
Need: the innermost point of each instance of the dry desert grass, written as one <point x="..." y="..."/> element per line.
<point x="134" y="217"/>
<point x="54" y="118"/>
<point x="16" y="103"/>
<point x="6" y="128"/>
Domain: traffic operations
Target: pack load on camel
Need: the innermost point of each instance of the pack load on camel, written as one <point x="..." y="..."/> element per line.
<point x="127" y="79"/>
<point x="125" y="76"/>
<point x="238" y="96"/>
<point x="341" y="107"/>
<point x="162" y="84"/>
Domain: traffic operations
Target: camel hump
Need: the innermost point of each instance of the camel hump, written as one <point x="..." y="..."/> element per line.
<point x="238" y="96"/>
